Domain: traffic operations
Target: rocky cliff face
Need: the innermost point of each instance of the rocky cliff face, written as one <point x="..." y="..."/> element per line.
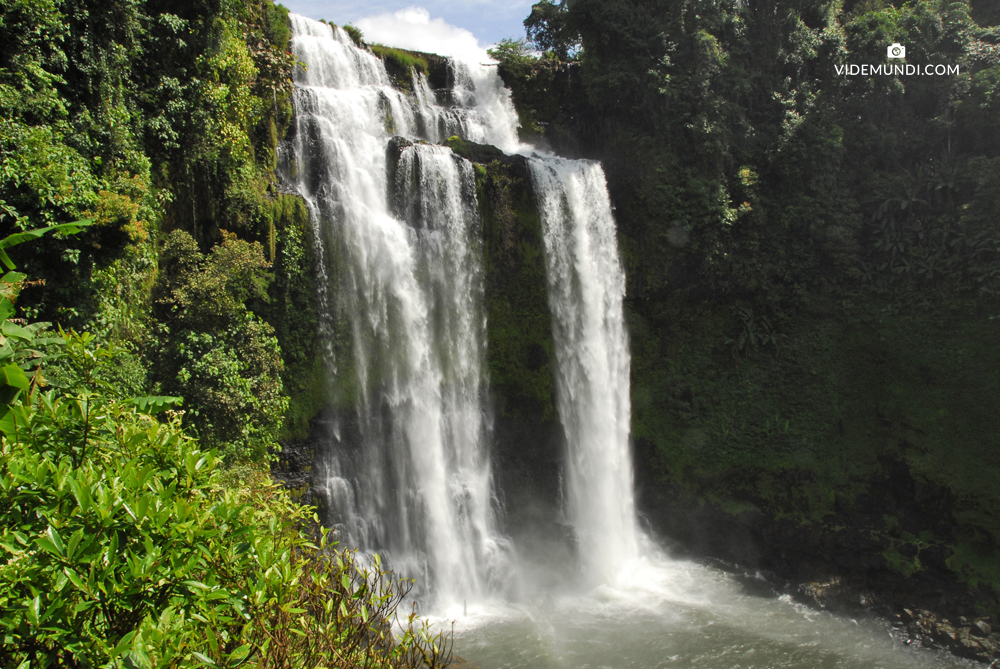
<point x="528" y="443"/>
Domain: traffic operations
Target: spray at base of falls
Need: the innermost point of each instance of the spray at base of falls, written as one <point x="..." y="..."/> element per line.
<point x="402" y="272"/>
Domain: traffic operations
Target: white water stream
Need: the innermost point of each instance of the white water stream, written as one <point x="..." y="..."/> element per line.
<point x="409" y="285"/>
<point x="586" y="288"/>
<point x="409" y="475"/>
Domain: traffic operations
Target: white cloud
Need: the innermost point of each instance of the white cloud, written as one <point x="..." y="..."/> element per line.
<point x="413" y="28"/>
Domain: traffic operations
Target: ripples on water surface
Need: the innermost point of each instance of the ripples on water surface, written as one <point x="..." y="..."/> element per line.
<point x="675" y="614"/>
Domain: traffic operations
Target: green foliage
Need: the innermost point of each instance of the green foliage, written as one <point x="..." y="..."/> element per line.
<point x="293" y="311"/>
<point x="138" y="117"/>
<point x="220" y="107"/>
<point x="519" y="331"/>
<point x="122" y="542"/>
<point x="33" y="61"/>
<point x="550" y="29"/>
<point x="804" y="433"/>
<point x="811" y="258"/>
<point x="402" y="65"/>
<point x="219" y="356"/>
<point x="355" y="34"/>
<point x="94" y="126"/>
<point x="513" y="55"/>
<point x="754" y="332"/>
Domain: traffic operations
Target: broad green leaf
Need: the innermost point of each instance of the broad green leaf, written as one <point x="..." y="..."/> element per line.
<point x="156" y="403"/>
<point x="15" y="377"/>
<point x="28" y="235"/>
<point x="137" y="659"/>
<point x="204" y="659"/>
<point x="45" y="543"/>
<point x="213" y="642"/>
<point x="16" y="331"/>
<point x="57" y="541"/>
<point x="8" y="394"/>
<point x="13" y="277"/>
<point x="75" y="579"/>
<point x="34" y="610"/>
<point x="240" y="652"/>
<point x="74" y="541"/>
<point x="122" y="645"/>
<point x="8" y="425"/>
<point x="82" y="494"/>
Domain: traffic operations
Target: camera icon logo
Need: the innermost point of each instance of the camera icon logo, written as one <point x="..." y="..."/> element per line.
<point x="896" y="51"/>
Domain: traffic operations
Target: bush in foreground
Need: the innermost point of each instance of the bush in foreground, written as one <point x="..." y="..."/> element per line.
<point x="124" y="544"/>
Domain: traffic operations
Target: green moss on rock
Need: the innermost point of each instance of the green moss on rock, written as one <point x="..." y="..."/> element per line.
<point x="520" y="348"/>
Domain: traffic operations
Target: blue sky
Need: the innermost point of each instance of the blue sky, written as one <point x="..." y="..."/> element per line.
<point x="487" y="20"/>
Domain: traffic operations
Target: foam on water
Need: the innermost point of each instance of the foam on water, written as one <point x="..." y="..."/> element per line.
<point x="677" y="613"/>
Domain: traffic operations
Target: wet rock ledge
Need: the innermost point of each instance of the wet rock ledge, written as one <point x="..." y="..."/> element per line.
<point x="973" y="638"/>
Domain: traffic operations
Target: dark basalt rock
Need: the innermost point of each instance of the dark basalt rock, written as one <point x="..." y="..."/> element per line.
<point x="516" y="166"/>
<point x="297" y="465"/>
<point x="393" y="153"/>
<point x="965" y="638"/>
<point x="395" y="149"/>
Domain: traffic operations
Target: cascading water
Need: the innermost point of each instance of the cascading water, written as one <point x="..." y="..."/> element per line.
<point x="418" y="487"/>
<point x="409" y="285"/>
<point x="586" y="286"/>
<point x="400" y="250"/>
<point x="482" y="110"/>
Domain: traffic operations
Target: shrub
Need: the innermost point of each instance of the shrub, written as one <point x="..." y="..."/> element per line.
<point x="513" y="56"/>
<point x="403" y="60"/>
<point x="223" y="359"/>
<point x="123" y="543"/>
<point x="120" y="544"/>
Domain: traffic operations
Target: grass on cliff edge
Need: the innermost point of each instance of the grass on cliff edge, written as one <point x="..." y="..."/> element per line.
<point x="405" y="60"/>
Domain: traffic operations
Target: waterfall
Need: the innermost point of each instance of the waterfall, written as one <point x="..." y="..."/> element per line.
<point x="403" y="275"/>
<point x="400" y="249"/>
<point x="406" y="471"/>
<point x="482" y="110"/>
<point x="586" y="286"/>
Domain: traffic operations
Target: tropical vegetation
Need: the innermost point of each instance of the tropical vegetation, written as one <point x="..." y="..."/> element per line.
<point x="156" y="344"/>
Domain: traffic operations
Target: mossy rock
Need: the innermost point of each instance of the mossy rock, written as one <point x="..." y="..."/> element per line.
<point x="476" y="153"/>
